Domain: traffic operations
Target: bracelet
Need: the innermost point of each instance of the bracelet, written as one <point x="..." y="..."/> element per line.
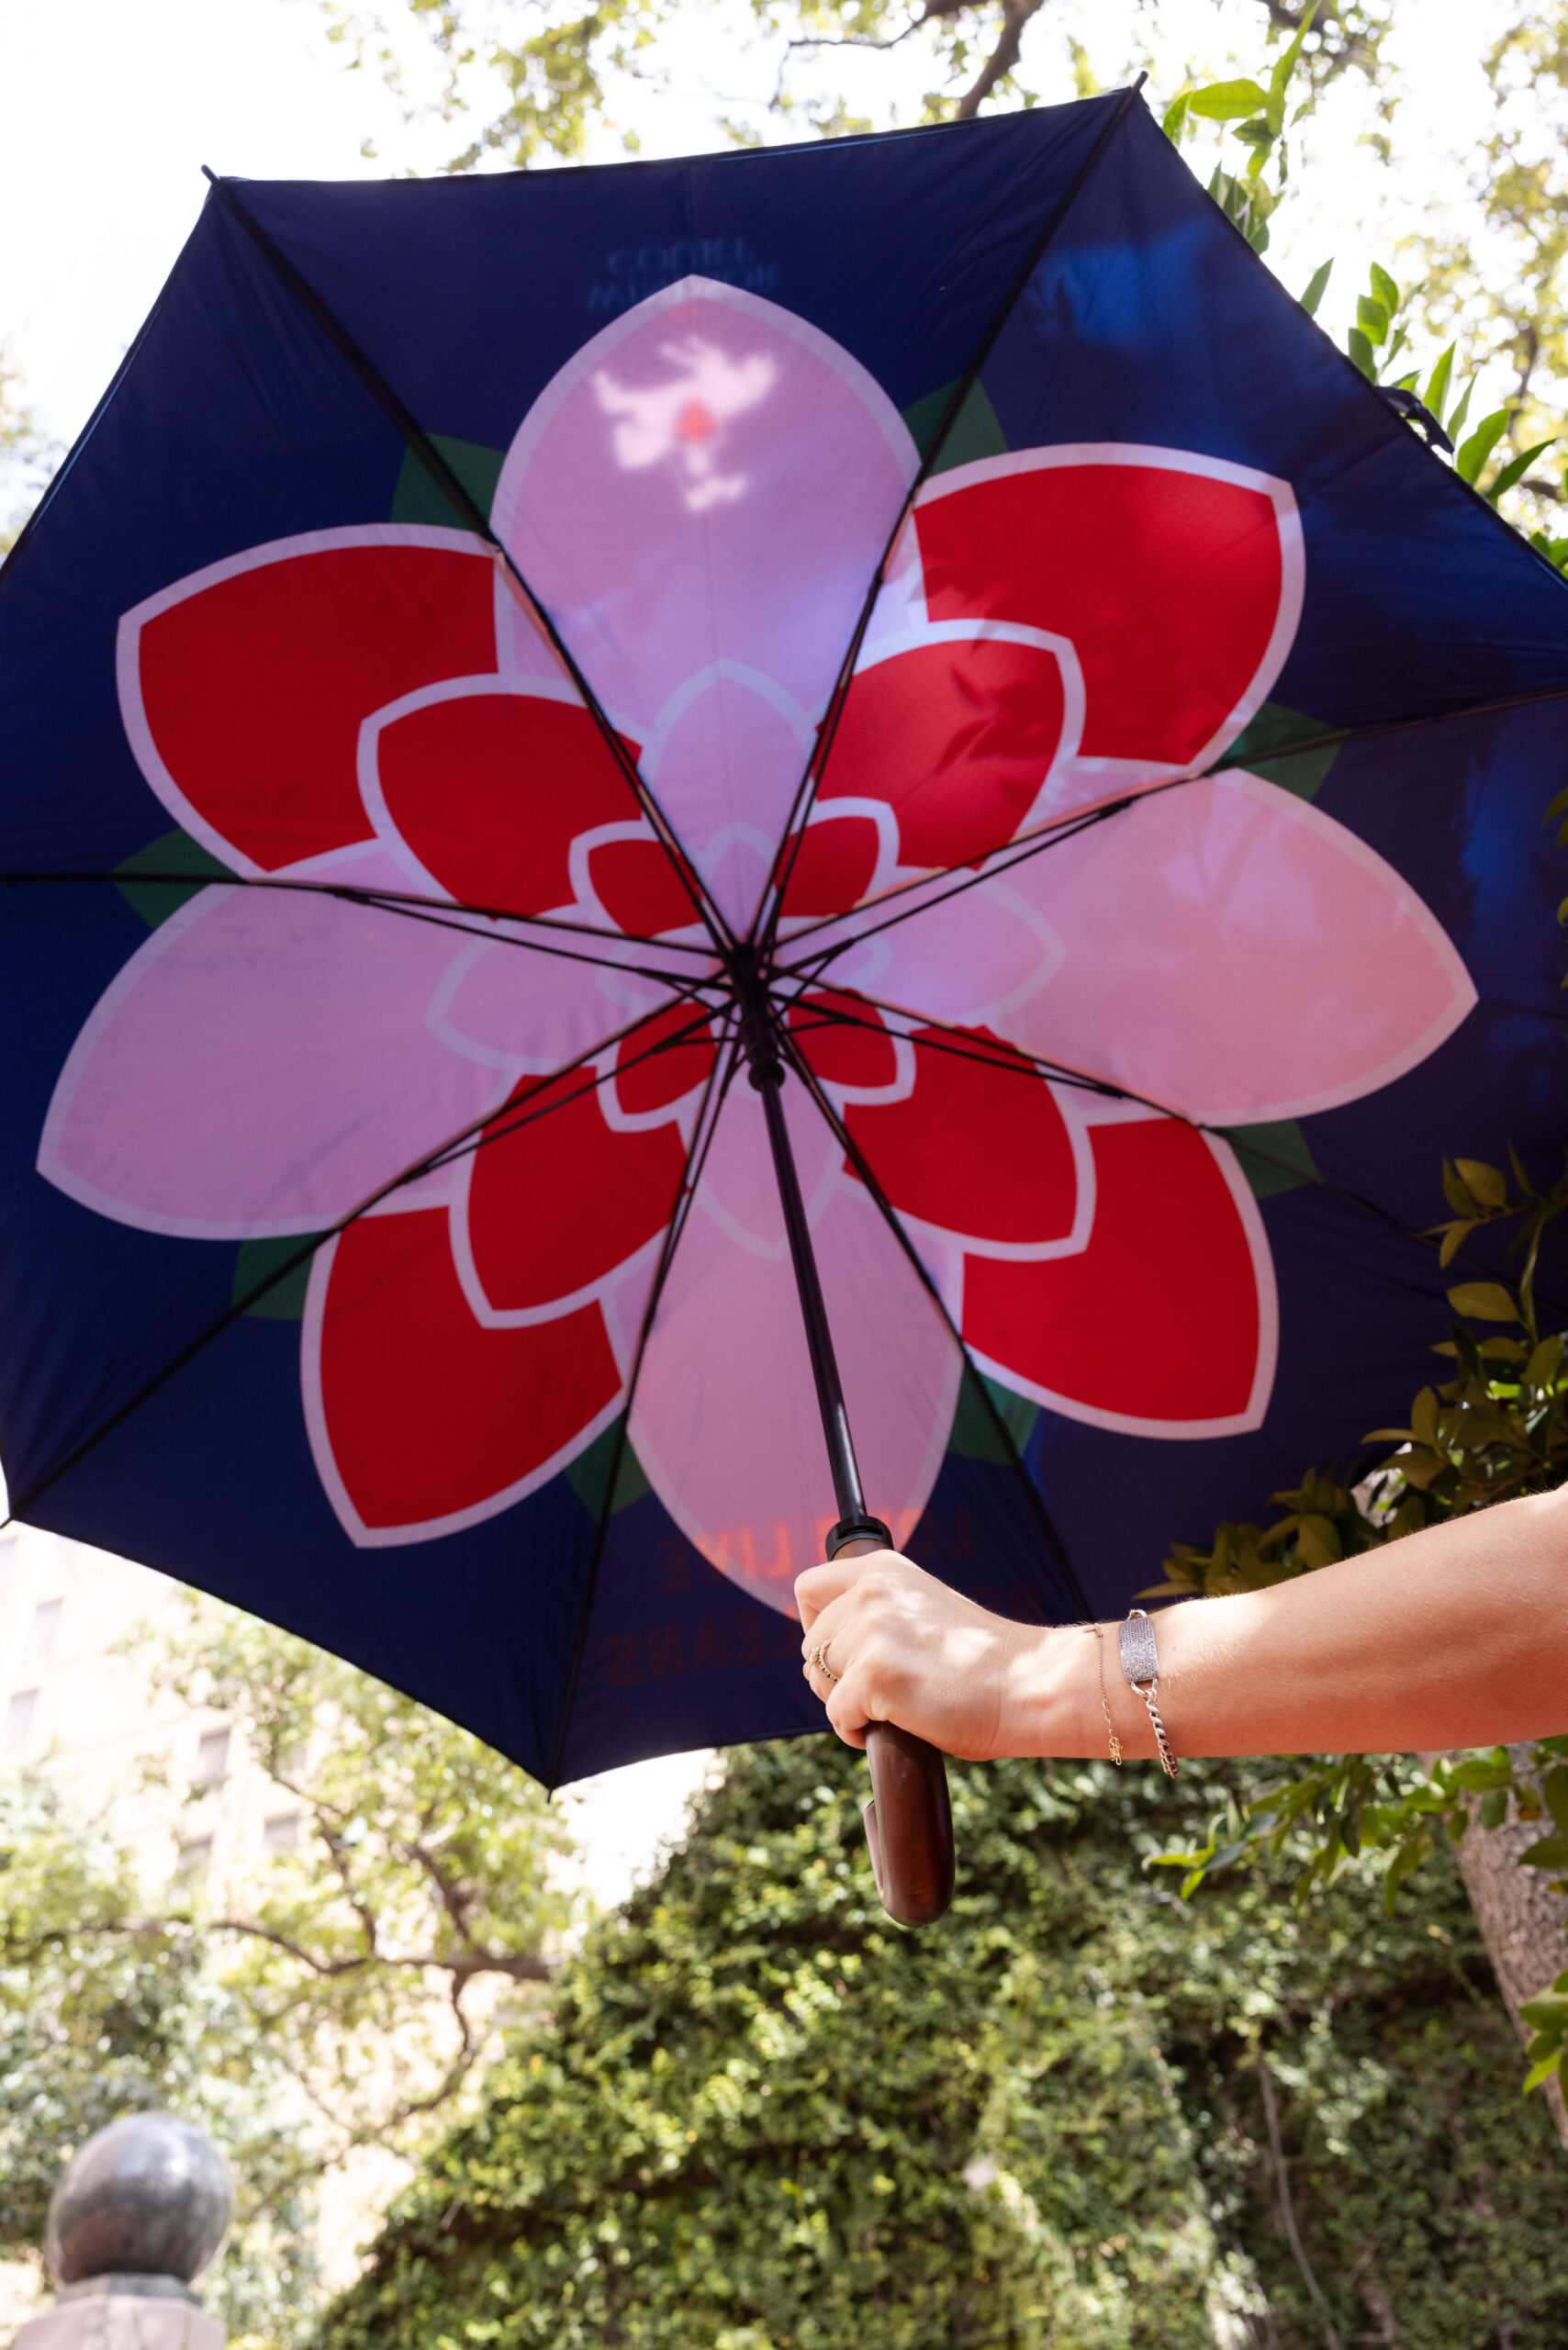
<point x="1104" y="1706"/>
<point x="1140" y="1662"/>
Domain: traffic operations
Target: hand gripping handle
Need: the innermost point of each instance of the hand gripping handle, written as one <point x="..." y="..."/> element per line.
<point x="908" y="1820"/>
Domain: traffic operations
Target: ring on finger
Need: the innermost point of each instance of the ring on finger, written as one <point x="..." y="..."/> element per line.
<point x="819" y="1658"/>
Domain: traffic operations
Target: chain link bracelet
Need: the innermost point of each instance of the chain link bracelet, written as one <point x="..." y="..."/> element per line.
<point x="1105" y="1702"/>
<point x="1140" y="1662"/>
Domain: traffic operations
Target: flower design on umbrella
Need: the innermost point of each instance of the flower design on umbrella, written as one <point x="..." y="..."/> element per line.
<point x="471" y="1025"/>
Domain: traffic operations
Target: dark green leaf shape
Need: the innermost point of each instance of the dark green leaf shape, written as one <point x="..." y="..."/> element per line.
<point x="1274" y="1157"/>
<point x="420" y="499"/>
<point x="170" y="853"/>
<point x="975" y="1435"/>
<point x="1264" y="747"/>
<point x="976" y="432"/>
<point x="281" y="1299"/>
<point x="588" y="1474"/>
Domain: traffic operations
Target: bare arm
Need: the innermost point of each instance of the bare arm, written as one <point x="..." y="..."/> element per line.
<point x="1457" y="1635"/>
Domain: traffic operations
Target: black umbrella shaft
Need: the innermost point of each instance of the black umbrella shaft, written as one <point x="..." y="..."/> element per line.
<point x="846" y="1486"/>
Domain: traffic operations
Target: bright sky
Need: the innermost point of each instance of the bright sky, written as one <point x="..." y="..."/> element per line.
<point x="108" y="108"/>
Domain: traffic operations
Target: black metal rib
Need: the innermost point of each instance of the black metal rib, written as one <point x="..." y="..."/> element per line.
<point x="703" y="1135"/>
<point x="467" y="1138"/>
<point x="1054" y="1544"/>
<point x="1017" y="1060"/>
<point x="1050" y="834"/>
<point x="417" y="439"/>
<point x="794" y="830"/>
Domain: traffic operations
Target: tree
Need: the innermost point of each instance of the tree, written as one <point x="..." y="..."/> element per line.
<point x="558" y="70"/>
<point x="105" y="2012"/>
<point x="344" y="1995"/>
<point x="416" y="1913"/>
<point x="1497" y="1430"/>
<point x="27" y="456"/>
<point x="1081" y="2112"/>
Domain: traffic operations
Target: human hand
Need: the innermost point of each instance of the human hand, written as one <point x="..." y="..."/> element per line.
<point x="908" y="1650"/>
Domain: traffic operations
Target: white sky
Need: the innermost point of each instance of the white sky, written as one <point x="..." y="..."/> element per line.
<point x="108" y="108"/>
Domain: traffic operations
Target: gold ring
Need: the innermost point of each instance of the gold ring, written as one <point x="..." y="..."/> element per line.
<point x="819" y="1658"/>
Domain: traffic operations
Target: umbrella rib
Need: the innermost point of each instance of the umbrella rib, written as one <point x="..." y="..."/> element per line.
<point x="1009" y="1059"/>
<point x="703" y="1135"/>
<point x="437" y="911"/>
<point x="1054" y="1543"/>
<point x="1018" y="1061"/>
<point x="446" y="480"/>
<point x="1068" y="827"/>
<point x="466" y="1137"/>
<point x="794" y="830"/>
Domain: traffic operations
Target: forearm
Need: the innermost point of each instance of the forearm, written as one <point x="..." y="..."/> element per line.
<point x="1457" y="1635"/>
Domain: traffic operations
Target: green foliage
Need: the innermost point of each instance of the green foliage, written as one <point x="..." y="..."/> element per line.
<point x="762" y="2118"/>
<point x="27" y="456"/>
<point x="1497" y="1429"/>
<point x="104" y="2011"/>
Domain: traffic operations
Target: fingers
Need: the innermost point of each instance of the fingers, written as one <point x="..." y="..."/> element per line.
<point x="819" y="1586"/>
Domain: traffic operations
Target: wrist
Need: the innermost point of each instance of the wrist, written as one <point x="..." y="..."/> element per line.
<point x="1053" y="1704"/>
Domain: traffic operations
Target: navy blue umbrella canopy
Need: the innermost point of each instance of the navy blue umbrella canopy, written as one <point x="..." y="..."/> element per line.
<point x="504" y="646"/>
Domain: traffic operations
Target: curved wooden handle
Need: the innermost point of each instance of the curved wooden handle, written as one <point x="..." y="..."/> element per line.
<point x="909" y="1826"/>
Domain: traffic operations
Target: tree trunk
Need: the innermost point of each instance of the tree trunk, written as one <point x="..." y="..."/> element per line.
<point x="1523" y="1923"/>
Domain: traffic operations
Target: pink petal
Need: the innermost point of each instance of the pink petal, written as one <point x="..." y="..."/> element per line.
<point x="243" y="688"/>
<point x="708" y="480"/>
<point x="1229" y="952"/>
<point x="724" y="1420"/>
<point x="268" y="1059"/>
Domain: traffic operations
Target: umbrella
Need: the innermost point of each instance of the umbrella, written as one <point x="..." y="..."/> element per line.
<point x="593" y="760"/>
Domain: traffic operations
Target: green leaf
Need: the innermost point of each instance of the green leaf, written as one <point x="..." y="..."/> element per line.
<point x="1516" y="469"/>
<point x="1424" y="1418"/>
<point x="1372" y="318"/>
<point x="1543" y="2070"/>
<point x="1547" y="1852"/>
<point x="1361" y="351"/>
<point x="1384" y="286"/>
<point x="1495" y="1808"/>
<point x="1546" y="2012"/>
<point x="1436" y="390"/>
<point x="1543" y="1365"/>
<point x="1473" y="453"/>
<point x="1316" y="286"/>
<point x="1484" y="1301"/>
<point x="1487" y="1184"/>
<point x="1228" y="101"/>
<point x="1554" y="1795"/>
<point x="1455" y="424"/>
<point x="1175" y="121"/>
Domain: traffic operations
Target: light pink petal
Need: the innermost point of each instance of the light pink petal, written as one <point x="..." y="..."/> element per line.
<point x="708" y="480"/>
<point x="1226" y="951"/>
<point x="267" y="1060"/>
<point x="726" y="1421"/>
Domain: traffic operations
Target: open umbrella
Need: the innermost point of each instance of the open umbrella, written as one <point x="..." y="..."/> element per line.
<point x="591" y="757"/>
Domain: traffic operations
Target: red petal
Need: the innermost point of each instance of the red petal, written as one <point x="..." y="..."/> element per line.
<point x="254" y="688"/>
<point x="957" y="738"/>
<point x="642" y="888"/>
<point x="489" y="791"/>
<point x="833" y="866"/>
<point x="979" y="1147"/>
<point x="852" y="1049"/>
<point x="1167" y="583"/>
<point x="427" y="1412"/>
<point x="1158" y="1318"/>
<point x="651" y="1074"/>
<point x="559" y="1200"/>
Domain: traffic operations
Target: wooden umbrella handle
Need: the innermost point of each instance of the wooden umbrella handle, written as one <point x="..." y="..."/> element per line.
<point x="908" y="1820"/>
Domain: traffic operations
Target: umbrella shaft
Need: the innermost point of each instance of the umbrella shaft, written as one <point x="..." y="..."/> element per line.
<point x="840" y="1444"/>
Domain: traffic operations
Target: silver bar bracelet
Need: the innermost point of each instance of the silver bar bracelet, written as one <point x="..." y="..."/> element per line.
<point x="1140" y="1662"/>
